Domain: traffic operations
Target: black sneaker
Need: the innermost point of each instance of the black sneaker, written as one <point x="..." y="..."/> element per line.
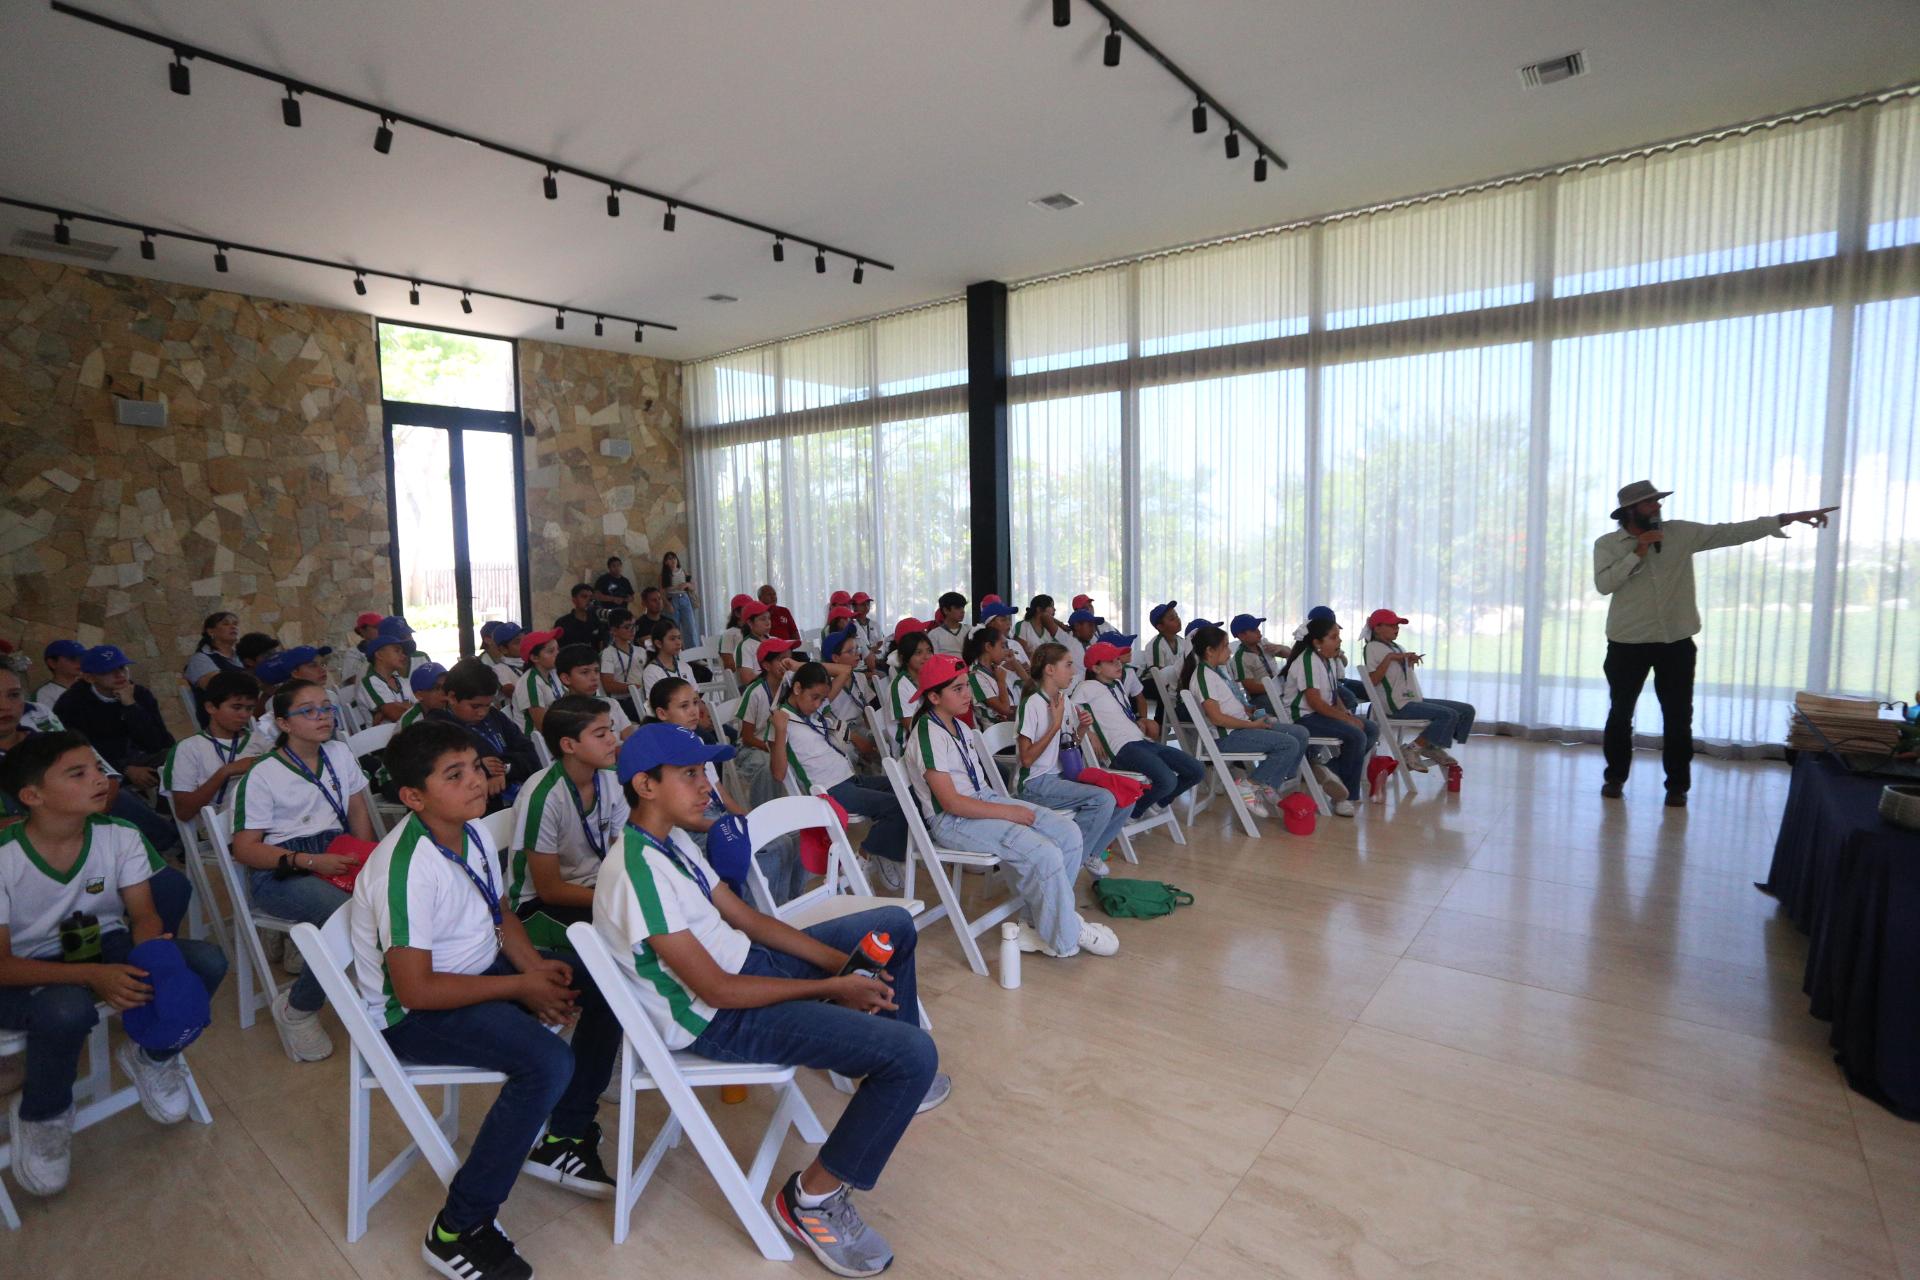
<point x="481" y="1252"/>
<point x="1612" y="790"/>
<point x="573" y="1163"/>
<point x="1676" y="799"/>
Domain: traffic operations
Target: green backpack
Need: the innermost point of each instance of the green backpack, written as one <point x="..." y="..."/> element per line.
<point x="1139" y="899"/>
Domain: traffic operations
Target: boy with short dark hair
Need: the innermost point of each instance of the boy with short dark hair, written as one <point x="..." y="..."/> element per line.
<point x="201" y="770"/>
<point x="452" y="978"/>
<point x="579" y="670"/>
<point x="566" y="818"/>
<point x="63" y="671"/>
<point x="949" y="629"/>
<point x="74" y="901"/>
<point x="579" y="625"/>
<point x="505" y="753"/>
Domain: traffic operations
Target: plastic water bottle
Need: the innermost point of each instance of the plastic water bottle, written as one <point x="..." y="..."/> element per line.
<point x="871" y="957"/>
<point x="1010" y="955"/>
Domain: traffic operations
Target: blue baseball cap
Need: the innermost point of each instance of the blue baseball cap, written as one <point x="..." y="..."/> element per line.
<point x="996" y="609"/>
<point x="1318" y="612"/>
<point x="180" y="1009"/>
<point x="1117" y="639"/>
<point x="505" y="633"/>
<point x="832" y="642"/>
<point x="656" y="744"/>
<point x="1160" y="611"/>
<point x="391" y="631"/>
<point x="1243" y="622"/>
<point x="730" y="850"/>
<point x="1079" y="616"/>
<point x="66" y="649"/>
<point x="277" y="667"/>
<point x="426" y="675"/>
<point x="1198" y="623"/>
<point x="102" y="658"/>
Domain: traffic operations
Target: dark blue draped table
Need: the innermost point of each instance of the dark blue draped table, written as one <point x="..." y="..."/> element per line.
<point x="1850" y="880"/>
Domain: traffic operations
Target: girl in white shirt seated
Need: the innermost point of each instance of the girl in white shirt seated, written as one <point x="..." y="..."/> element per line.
<point x="1391" y="669"/>
<point x="1310" y="689"/>
<point x="1050" y="719"/>
<point x="1236" y="726"/>
<point x="1040" y="851"/>
<point x="985" y="653"/>
<point x="1039" y="626"/>
<point x="810" y="746"/>
<point x="911" y="649"/>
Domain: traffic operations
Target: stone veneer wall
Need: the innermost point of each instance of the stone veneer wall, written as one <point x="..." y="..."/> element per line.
<point x="266" y="493"/>
<point x="604" y="472"/>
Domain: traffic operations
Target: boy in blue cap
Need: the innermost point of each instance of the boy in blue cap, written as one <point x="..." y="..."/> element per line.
<point x="383" y="689"/>
<point x="726" y="982"/>
<point x="63" y="671"/>
<point x="74" y="901"/>
<point x="1253" y="663"/>
<point x="451" y="977"/>
<point x="120" y="718"/>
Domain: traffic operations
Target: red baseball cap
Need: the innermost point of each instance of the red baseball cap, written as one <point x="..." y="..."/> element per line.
<point x="1083" y="602"/>
<point x="906" y="627"/>
<point x="839" y="597"/>
<point x="938" y="670"/>
<point x="1385" y="618"/>
<point x="1103" y="652"/>
<point x="740" y="600"/>
<point x="533" y="640"/>
<point x="990" y="599"/>
<point x="751" y="609"/>
<point x="367" y="620"/>
<point x="861" y="597"/>
<point x="838" y="612"/>
<point x="773" y="647"/>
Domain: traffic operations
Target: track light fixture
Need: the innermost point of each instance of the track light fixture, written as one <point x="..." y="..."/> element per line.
<point x="1112" y="55"/>
<point x="1260" y="168"/>
<point x="638" y="332"/>
<point x="613" y="202"/>
<point x="1200" y="116"/>
<point x="383" y="136"/>
<point x="859" y="273"/>
<point x="779" y="248"/>
<point x="62" y="234"/>
<point x="1233" y="144"/>
<point x="149" y="238"/>
<point x="551" y="183"/>
<point x="179" y="79"/>
<point x="1062" y="12"/>
<point x="819" y="262"/>
<point x="599" y="327"/>
<point x="559" y="318"/>
<point x="290" y="110"/>
<point x="667" y="223"/>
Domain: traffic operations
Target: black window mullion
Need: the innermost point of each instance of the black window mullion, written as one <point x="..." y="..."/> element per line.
<point x="462" y="561"/>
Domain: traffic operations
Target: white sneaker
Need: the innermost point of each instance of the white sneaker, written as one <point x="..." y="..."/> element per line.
<point x="1439" y="755"/>
<point x="1098" y="938"/>
<point x="42" y="1151"/>
<point x="1250" y="796"/>
<point x="275" y="944"/>
<point x="301" y="1034"/>
<point x="1343" y="808"/>
<point x="1329" y="782"/>
<point x="162" y="1086"/>
<point x="891" y="875"/>
<point x="1096" y="865"/>
<point x="292" y="963"/>
<point x="1414" y="761"/>
<point x="1031" y="941"/>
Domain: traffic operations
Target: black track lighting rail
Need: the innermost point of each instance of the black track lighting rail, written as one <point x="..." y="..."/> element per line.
<point x="150" y="233"/>
<point x="1117" y="25"/>
<point x="181" y="82"/>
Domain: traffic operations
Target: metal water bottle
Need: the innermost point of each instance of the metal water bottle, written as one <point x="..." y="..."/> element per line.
<point x="1010" y="955"/>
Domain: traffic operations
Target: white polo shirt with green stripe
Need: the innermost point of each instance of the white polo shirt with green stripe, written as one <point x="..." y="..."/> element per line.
<point x="1113" y="721"/>
<point x="409" y="894"/>
<point x="937" y="749"/>
<point x="1035" y="715"/>
<point x="536" y="689"/>
<point x="545" y="820"/>
<point x="812" y="752"/>
<point x="1310" y="671"/>
<point x="34" y="898"/>
<point x="1167" y="651"/>
<point x="755" y="706"/>
<point x="1400" y="686"/>
<point x="1253" y="662"/>
<point x="378" y="692"/>
<point x="191" y="761"/>
<point x="983" y="684"/>
<point x="641" y="894"/>
<point x="1209" y="685"/>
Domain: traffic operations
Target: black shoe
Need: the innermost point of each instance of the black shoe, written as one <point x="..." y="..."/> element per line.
<point x="1676" y="799"/>
<point x="479" y="1253"/>
<point x="573" y="1163"/>
<point x="1612" y="790"/>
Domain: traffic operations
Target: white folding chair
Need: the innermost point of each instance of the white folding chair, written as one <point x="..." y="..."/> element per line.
<point x="945" y="866"/>
<point x="364" y="743"/>
<point x="187" y="700"/>
<point x="885" y="734"/>
<point x="647" y="1063"/>
<point x="842" y="891"/>
<point x="541" y="749"/>
<point x="95" y="1099"/>
<point x="499" y="829"/>
<point x="999" y="740"/>
<point x="254" y="985"/>
<point x="1220" y="764"/>
<point x="1394" y="734"/>
<point x="1308" y="782"/>
<point x="371" y="1065"/>
<point x="204" y="915"/>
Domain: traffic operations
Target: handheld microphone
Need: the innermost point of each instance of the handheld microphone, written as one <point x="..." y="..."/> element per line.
<point x="1654" y="524"/>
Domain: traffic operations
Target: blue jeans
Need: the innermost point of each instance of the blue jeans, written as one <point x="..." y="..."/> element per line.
<point x="893" y="1058"/>
<point x="548" y="1082"/>
<point x="1283" y="746"/>
<point x="1093" y="809"/>
<point x="159" y="831"/>
<point x="1170" y="772"/>
<point x="874" y="798"/>
<point x="304" y="898"/>
<point x="1041" y="862"/>
<point x="1353" y="693"/>
<point x="58" y="1018"/>
<point x="1447" y="722"/>
<point x="1356" y="745"/>
<point x="683" y="617"/>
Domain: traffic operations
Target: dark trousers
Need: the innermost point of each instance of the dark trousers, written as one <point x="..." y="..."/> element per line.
<point x="1672" y="667"/>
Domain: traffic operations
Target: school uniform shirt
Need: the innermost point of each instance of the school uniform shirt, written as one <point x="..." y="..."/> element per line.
<point x="1029" y="634"/>
<point x="536" y="689"/>
<point x="656" y="671"/>
<point x="948" y="640"/>
<point x="1310" y="671"/>
<point x="377" y="692"/>
<point x="49" y="693"/>
<point x="644" y="893"/>
<point x="900" y="687"/>
<point x="1076" y="652"/>
<point x="1035" y="716"/>
<point x="813" y="752"/>
<point x="499" y="738"/>
<point x="984" y="683"/>
<point x="34" y="898"/>
<point x="1166" y="651"/>
<point x="936" y="748"/>
<point x="1401" y="686"/>
<point x="622" y="665"/>
<point x="353" y="666"/>
<point x="729" y="641"/>
<point x="410" y="894"/>
<point x="548" y="818"/>
<point x="616" y="715"/>
<point x="193" y="760"/>
<point x="755" y="706"/>
<point x="507" y="671"/>
<point x="1112" y="709"/>
<point x="274" y="798"/>
<point x="1253" y="662"/>
<point x="1211" y="684"/>
<point x="264" y="733"/>
<point x="746" y="650"/>
<point x="866" y="635"/>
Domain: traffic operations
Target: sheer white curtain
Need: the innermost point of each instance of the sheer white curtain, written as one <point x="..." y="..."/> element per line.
<point x="1428" y="407"/>
<point x="836" y="460"/>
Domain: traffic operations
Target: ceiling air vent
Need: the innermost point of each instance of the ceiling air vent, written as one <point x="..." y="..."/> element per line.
<point x="40" y="242"/>
<point x="1554" y="70"/>
<point x="1058" y="202"/>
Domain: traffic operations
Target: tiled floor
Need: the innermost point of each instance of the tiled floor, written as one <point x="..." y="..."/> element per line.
<point x="1515" y="1032"/>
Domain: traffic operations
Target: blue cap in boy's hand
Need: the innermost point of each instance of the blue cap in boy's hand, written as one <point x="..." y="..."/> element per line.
<point x="180" y="1009"/>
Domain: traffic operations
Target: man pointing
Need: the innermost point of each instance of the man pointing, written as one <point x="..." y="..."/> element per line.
<point x="1647" y="567"/>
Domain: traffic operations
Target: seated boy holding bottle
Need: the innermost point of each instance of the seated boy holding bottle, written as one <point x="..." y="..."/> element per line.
<point x="729" y="983"/>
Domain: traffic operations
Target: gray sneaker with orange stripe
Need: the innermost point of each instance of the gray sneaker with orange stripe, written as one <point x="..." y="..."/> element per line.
<point x="834" y="1230"/>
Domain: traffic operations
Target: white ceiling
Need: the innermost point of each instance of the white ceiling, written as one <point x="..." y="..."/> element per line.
<point x="914" y="130"/>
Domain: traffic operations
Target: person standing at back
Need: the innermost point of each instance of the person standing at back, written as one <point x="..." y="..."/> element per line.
<point x="1646" y="567"/>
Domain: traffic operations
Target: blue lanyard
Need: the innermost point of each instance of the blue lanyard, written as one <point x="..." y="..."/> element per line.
<point x="966" y="754"/>
<point x="226" y="758"/>
<point x="625" y="660"/>
<point x="496" y="741"/>
<point x="337" y="798"/>
<point x="687" y="869"/>
<point x="793" y="713"/>
<point x="594" y="838"/>
<point x="1120" y="698"/>
<point x="487" y="890"/>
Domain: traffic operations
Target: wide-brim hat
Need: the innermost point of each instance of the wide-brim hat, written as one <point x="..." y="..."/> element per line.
<point x="1637" y="492"/>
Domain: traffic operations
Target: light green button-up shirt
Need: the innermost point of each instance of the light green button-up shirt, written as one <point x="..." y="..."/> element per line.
<point x="1653" y="597"/>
